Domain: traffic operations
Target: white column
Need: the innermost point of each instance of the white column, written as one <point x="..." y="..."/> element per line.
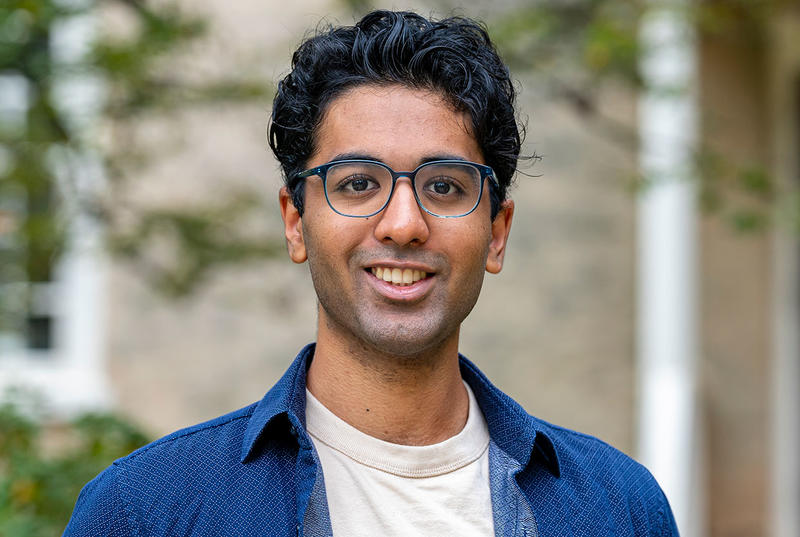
<point x="784" y="502"/>
<point x="667" y="331"/>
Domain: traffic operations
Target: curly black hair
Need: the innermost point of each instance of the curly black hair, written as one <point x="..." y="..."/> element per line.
<point x="452" y="56"/>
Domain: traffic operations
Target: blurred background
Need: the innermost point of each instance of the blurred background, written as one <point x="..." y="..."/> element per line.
<point x="651" y="295"/>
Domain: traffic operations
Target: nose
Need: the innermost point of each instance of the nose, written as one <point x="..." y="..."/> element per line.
<point x="402" y="221"/>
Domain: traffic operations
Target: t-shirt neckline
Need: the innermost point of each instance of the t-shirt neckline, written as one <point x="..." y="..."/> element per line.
<point x="406" y="461"/>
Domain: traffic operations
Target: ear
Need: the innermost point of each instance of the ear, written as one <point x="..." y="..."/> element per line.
<point x="292" y="226"/>
<point x="501" y="226"/>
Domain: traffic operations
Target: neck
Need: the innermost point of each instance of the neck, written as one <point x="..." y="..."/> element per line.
<point x="412" y="400"/>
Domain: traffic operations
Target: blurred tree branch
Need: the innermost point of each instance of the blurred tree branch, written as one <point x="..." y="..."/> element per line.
<point x="580" y="44"/>
<point x="136" y="70"/>
<point x="576" y="46"/>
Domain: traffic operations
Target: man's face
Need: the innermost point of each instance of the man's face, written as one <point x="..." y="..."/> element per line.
<point x="402" y="128"/>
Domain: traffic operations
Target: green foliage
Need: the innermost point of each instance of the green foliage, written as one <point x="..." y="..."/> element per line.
<point x="38" y="486"/>
<point x="193" y="242"/>
<point x="580" y="40"/>
<point x="579" y="45"/>
<point x="137" y="74"/>
<point x="742" y="195"/>
<point x="583" y="42"/>
<point x="129" y="73"/>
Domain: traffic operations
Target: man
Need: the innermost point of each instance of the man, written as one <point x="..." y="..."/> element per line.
<point x="398" y="140"/>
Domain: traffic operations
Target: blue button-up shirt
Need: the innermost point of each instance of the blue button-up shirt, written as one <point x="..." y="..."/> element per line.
<point x="254" y="472"/>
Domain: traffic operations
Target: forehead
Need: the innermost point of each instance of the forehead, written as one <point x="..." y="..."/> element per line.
<point x="395" y="124"/>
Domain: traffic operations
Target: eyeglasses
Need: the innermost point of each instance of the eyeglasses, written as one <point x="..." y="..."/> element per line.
<point x="363" y="188"/>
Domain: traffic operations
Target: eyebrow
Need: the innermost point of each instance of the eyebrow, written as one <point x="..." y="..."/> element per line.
<point x="423" y="160"/>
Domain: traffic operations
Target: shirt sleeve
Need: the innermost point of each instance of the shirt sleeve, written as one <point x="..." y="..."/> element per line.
<point x="667" y="526"/>
<point x="100" y="509"/>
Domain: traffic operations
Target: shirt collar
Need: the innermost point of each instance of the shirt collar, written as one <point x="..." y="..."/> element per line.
<point x="523" y="437"/>
<point x="284" y="405"/>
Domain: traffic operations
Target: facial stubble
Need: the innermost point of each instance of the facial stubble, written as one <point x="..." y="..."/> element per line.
<point x="370" y="325"/>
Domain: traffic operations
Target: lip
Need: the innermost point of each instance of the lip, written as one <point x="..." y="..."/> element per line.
<point x="397" y="293"/>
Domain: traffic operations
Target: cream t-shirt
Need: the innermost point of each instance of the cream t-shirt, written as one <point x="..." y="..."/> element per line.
<point x="379" y="488"/>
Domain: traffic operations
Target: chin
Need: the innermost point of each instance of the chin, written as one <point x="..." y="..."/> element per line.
<point x="406" y="340"/>
<point x="381" y="331"/>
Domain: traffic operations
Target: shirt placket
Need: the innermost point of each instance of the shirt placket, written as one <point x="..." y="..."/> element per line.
<point x="313" y="517"/>
<point x="513" y="516"/>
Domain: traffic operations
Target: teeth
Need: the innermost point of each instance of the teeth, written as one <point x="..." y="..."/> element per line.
<point x="397" y="276"/>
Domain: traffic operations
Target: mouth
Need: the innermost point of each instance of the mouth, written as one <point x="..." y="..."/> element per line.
<point x="397" y="276"/>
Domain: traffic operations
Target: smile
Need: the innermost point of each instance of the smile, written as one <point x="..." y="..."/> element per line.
<point x="396" y="276"/>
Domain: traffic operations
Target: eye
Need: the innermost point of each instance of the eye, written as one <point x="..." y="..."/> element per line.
<point x="443" y="186"/>
<point x="356" y="184"/>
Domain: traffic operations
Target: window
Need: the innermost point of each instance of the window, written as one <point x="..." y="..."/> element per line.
<point x="52" y="269"/>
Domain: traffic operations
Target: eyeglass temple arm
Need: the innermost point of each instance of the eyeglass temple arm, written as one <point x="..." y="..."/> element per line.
<point x="295" y="179"/>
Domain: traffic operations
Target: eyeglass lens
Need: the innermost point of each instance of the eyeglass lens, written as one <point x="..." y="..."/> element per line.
<point x="362" y="188"/>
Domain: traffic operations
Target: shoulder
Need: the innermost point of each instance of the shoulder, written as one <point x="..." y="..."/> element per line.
<point x="100" y="509"/>
<point x="187" y="456"/>
<point x="587" y="457"/>
<point x="184" y="461"/>
<point x="595" y="473"/>
<point x="220" y="435"/>
<point x="571" y="477"/>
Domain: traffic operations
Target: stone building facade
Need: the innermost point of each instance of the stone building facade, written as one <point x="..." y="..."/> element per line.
<point x="557" y="328"/>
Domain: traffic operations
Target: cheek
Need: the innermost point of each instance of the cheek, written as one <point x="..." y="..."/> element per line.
<point x="330" y="241"/>
<point x="467" y="259"/>
<point x="470" y="244"/>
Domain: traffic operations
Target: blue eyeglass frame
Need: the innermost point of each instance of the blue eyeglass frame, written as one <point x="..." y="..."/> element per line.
<point x="322" y="170"/>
